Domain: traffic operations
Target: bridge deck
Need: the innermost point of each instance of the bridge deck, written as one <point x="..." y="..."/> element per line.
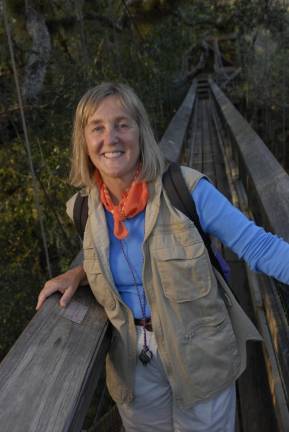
<point x="208" y="134"/>
<point x="204" y="151"/>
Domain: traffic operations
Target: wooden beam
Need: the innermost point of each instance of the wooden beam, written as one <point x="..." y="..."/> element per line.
<point x="256" y="285"/>
<point x="268" y="179"/>
<point x="48" y="378"/>
<point x="172" y="141"/>
<point x="267" y="187"/>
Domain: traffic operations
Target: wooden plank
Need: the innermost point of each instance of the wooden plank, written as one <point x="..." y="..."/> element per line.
<point x="219" y="163"/>
<point x="50" y="374"/>
<point x="172" y="141"/>
<point x="227" y="185"/>
<point x="208" y="160"/>
<point x="258" y="283"/>
<point x="267" y="186"/>
<point x="256" y="410"/>
<point x="194" y="145"/>
<point x="190" y="136"/>
<point x="196" y="157"/>
<point x="268" y="178"/>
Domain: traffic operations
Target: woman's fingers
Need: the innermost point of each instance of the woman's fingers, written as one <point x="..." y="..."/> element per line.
<point x="66" y="283"/>
<point x="42" y="297"/>
<point x="49" y="288"/>
<point x="67" y="295"/>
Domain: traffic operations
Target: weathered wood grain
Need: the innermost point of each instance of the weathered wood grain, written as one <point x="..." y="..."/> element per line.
<point x="267" y="177"/>
<point x="172" y="141"/>
<point x="267" y="187"/>
<point x="48" y="377"/>
<point x="208" y="157"/>
<point x="255" y="407"/>
<point x="255" y="403"/>
<point x="261" y="288"/>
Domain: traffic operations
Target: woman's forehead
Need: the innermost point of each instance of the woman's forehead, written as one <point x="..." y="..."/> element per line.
<point x="109" y="104"/>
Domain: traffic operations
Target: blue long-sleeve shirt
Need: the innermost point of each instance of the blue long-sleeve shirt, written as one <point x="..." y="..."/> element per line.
<point x="263" y="251"/>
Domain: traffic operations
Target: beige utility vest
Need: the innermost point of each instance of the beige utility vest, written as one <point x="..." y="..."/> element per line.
<point x="200" y="339"/>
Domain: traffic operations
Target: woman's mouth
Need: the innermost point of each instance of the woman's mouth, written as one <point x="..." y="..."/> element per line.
<point x="113" y="155"/>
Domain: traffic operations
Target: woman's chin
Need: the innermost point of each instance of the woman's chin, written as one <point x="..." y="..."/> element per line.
<point x="117" y="171"/>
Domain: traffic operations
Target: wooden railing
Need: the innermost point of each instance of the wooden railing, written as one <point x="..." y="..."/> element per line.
<point x="173" y="139"/>
<point x="48" y="378"/>
<point x="266" y="187"/>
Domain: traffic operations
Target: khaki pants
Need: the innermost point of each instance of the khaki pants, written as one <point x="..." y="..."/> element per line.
<point x="154" y="410"/>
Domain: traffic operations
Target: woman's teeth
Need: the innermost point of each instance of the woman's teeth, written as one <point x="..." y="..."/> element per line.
<point x="112" y="155"/>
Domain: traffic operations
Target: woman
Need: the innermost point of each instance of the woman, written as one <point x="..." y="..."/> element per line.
<point x="174" y="355"/>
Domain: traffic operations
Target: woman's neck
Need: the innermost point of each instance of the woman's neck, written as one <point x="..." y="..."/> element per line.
<point x="117" y="187"/>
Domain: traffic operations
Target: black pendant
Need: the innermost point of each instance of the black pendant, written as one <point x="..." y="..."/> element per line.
<point x="145" y="356"/>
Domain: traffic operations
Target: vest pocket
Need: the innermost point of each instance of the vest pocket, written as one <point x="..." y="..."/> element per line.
<point x="184" y="272"/>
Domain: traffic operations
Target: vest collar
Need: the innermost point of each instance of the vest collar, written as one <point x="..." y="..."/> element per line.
<point x="153" y="205"/>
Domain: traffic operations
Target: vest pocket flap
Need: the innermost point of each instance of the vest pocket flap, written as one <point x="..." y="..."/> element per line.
<point x="184" y="272"/>
<point x="178" y="253"/>
<point x="89" y="253"/>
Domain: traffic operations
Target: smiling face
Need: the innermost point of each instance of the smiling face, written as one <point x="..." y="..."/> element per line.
<point x="112" y="140"/>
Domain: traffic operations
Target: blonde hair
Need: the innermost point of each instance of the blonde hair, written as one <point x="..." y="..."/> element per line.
<point x="82" y="169"/>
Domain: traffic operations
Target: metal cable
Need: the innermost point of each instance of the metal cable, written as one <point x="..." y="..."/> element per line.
<point x="35" y="184"/>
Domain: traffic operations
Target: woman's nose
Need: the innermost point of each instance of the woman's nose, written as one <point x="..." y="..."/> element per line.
<point x="111" y="136"/>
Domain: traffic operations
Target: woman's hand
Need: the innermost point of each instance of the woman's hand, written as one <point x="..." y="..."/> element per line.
<point x="66" y="283"/>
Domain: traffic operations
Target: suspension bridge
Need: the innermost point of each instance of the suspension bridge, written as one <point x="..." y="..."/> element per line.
<point x="54" y="371"/>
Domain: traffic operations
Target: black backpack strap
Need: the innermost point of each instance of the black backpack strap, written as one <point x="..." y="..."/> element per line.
<point x="181" y="198"/>
<point x="80" y="213"/>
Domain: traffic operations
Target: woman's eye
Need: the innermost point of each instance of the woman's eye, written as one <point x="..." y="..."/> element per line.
<point x="123" y="125"/>
<point x="98" y="128"/>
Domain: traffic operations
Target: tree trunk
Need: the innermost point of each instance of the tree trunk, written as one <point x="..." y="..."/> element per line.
<point x="35" y="68"/>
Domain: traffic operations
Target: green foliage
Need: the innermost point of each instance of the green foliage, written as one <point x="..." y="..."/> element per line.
<point x="143" y="46"/>
<point x="88" y="46"/>
<point x="263" y="93"/>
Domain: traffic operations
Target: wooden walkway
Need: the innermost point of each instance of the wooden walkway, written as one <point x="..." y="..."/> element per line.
<point x="204" y="150"/>
<point x="49" y="377"/>
<point x="220" y="143"/>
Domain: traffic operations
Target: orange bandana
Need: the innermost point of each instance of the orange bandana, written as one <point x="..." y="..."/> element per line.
<point x="133" y="201"/>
